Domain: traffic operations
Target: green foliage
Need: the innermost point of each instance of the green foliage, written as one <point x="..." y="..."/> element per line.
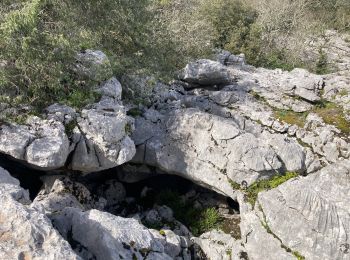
<point x="333" y="114"/>
<point x="208" y="219"/>
<point x="70" y="127"/>
<point x="134" y="112"/>
<point x="330" y="112"/>
<point x="298" y="255"/>
<point x="79" y="98"/>
<point x="322" y="64"/>
<point x="198" y="220"/>
<point x="39" y="40"/>
<point x="335" y="14"/>
<point x="254" y="189"/>
<point x="234" y="185"/>
<point x="291" y="117"/>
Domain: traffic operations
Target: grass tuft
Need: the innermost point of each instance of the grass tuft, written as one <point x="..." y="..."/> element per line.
<point x="291" y="117"/>
<point x="254" y="189"/>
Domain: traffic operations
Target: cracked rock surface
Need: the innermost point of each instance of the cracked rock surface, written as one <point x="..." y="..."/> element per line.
<point x="225" y="126"/>
<point x="93" y="139"/>
<point x="26" y="233"/>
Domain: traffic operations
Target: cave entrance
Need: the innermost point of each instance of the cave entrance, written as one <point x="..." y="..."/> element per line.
<point x="29" y="178"/>
<point x="198" y="208"/>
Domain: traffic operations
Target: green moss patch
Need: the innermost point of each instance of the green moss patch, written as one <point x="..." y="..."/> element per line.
<point x="254" y="189"/>
<point x="333" y="114"/>
<point x="291" y="117"/>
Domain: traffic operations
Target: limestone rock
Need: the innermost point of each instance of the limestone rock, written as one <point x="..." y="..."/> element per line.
<point x="111" y="88"/>
<point x="94" y="65"/>
<point x="310" y="215"/>
<point x="62" y="113"/>
<point x="60" y="192"/>
<point x="41" y="143"/>
<point x="113" y="191"/>
<point x="118" y="238"/>
<point x="205" y="72"/>
<point x="26" y="233"/>
<point x="220" y="246"/>
<point x="210" y="150"/>
<point x="103" y="141"/>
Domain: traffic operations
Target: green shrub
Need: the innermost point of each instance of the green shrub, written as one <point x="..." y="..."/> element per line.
<point x="39" y="40"/>
<point x="322" y="64"/>
<point x="198" y="220"/>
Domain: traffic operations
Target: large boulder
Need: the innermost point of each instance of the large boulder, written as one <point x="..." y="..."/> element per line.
<point x="206" y="72"/>
<point x="93" y="65"/>
<point x="26" y="233"/>
<point x="106" y="236"/>
<point x="41" y="143"/>
<point x="102" y="139"/>
<point x="213" y="151"/>
<point x="311" y="215"/>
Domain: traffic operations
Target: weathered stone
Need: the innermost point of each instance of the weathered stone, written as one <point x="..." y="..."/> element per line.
<point x="205" y="72"/>
<point x="219" y="246"/>
<point x="310" y="215"/>
<point x="111" y="88"/>
<point x="26" y="233"/>
<point x="119" y="238"/>
<point x="60" y="192"/>
<point x="103" y="142"/>
<point x="93" y="65"/>
<point x="42" y="143"/>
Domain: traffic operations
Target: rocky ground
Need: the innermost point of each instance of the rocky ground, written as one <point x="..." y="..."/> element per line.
<point x="266" y="150"/>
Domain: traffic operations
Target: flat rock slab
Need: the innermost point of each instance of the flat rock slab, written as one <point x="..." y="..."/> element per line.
<point x="311" y="214"/>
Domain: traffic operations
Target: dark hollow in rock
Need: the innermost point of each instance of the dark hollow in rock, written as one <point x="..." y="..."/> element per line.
<point x="29" y="178"/>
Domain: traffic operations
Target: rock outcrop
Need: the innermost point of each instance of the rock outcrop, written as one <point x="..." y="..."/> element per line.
<point x="212" y="151"/>
<point x="94" y="139"/>
<point x="206" y="73"/>
<point x="26" y="233"/>
<point x="305" y="216"/>
<point x="225" y="125"/>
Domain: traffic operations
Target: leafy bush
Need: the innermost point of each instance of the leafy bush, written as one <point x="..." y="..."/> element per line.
<point x="39" y="40"/>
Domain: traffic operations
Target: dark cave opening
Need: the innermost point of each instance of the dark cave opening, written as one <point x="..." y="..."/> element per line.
<point x="178" y="193"/>
<point x="29" y="178"/>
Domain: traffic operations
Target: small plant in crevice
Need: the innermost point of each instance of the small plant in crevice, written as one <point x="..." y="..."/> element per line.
<point x="134" y="112"/>
<point x="69" y="127"/>
<point x="253" y="190"/>
<point x="234" y="185"/>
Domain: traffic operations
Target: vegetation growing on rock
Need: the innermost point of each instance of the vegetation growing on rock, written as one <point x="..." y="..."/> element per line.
<point x="331" y="113"/>
<point x="198" y="220"/>
<point x="39" y="39"/>
<point x="253" y="190"/>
